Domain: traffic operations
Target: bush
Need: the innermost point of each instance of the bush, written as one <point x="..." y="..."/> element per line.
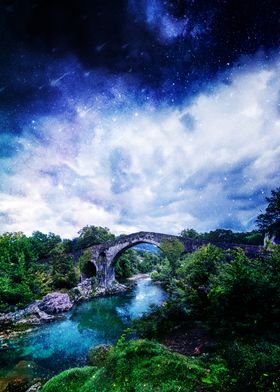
<point x="255" y="366"/>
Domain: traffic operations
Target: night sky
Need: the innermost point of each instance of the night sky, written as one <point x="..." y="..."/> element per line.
<point x="138" y="114"/>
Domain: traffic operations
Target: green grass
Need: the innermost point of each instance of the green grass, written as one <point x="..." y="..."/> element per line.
<point x="137" y="366"/>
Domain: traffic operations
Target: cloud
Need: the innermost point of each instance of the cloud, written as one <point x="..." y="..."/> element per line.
<point x="205" y="164"/>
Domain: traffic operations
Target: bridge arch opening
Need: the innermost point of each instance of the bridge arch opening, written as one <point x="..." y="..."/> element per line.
<point x="87" y="266"/>
<point x="137" y="258"/>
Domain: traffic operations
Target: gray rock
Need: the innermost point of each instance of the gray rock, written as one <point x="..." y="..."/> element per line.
<point x="56" y="302"/>
<point x="35" y="387"/>
<point x="85" y="290"/>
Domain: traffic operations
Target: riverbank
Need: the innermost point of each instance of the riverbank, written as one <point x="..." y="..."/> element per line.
<point x="51" y="307"/>
<point x="56" y="346"/>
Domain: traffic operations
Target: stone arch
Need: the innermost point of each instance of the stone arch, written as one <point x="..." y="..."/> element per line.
<point x="125" y="248"/>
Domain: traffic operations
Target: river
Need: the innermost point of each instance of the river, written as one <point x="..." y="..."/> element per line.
<point x="54" y="347"/>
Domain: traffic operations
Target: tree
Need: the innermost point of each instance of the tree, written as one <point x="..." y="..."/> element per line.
<point x="189" y="233"/>
<point x="63" y="270"/>
<point x="93" y="235"/>
<point x="126" y="265"/>
<point x="269" y="222"/>
<point x="172" y="250"/>
<point x="43" y="244"/>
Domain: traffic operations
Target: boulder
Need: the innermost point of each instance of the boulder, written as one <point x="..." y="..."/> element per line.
<point x="53" y="303"/>
<point x="34" y="388"/>
<point x="85" y="290"/>
<point x="98" y="355"/>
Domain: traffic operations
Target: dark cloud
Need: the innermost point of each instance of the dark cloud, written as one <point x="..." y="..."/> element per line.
<point x="173" y="47"/>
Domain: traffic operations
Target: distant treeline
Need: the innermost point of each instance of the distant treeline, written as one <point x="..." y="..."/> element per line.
<point x="253" y="237"/>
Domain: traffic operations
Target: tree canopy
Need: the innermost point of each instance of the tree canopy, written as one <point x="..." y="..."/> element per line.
<point x="269" y="221"/>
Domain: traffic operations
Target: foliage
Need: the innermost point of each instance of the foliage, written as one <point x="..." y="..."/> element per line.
<point x="253" y="237"/>
<point x="256" y="365"/>
<point x="126" y="264"/>
<point x="147" y="261"/>
<point x="133" y="262"/>
<point x="246" y="293"/>
<point x="269" y="222"/>
<point x="142" y="365"/>
<point x="63" y="271"/>
<point x="190" y="233"/>
<point x="16" y="259"/>
<point x="193" y="278"/>
<point x="42" y="244"/>
<point x="172" y="250"/>
<point x="92" y="235"/>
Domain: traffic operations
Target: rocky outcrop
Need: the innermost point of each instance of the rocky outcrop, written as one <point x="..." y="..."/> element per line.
<point x="37" y="313"/>
<point x="50" y="307"/>
<point x="54" y="303"/>
<point x="87" y="290"/>
<point x="98" y="355"/>
<point x="34" y="388"/>
<point x="84" y="291"/>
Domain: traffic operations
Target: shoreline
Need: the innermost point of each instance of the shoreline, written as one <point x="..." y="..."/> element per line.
<point x="15" y="324"/>
<point x="138" y="277"/>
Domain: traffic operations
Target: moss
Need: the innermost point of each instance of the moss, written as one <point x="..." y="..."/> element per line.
<point x="140" y="366"/>
<point x="69" y="380"/>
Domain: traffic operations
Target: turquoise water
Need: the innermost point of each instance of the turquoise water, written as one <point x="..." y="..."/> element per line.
<point x="63" y="344"/>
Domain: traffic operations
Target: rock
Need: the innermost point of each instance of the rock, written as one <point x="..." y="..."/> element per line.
<point x="98" y="355"/>
<point x="56" y="302"/>
<point x="85" y="290"/>
<point x="35" y="387"/>
<point x="116" y="287"/>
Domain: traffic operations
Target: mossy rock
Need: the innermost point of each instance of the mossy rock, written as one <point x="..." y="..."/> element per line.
<point x="98" y="355"/>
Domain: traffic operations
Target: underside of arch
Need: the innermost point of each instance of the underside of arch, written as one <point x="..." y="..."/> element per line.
<point x="130" y="246"/>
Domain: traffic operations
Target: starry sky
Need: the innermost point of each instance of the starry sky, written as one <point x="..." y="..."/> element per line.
<point x="138" y="114"/>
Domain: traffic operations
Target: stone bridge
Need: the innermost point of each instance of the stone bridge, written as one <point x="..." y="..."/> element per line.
<point x="104" y="256"/>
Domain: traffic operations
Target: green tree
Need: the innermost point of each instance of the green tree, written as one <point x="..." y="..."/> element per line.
<point x="43" y="244"/>
<point x="269" y="222"/>
<point x="172" y="250"/>
<point x="190" y="233"/>
<point x="93" y="235"/>
<point x="63" y="270"/>
<point x="126" y="264"/>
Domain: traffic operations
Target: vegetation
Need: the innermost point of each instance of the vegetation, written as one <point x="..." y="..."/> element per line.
<point x="133" y="262"/>
<point x="142" y="366"/>
<point x="30" y="267"/>
<point x="253" y="237"/>
<point x="269" y="222"/>
<point x="237" y="301"/>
